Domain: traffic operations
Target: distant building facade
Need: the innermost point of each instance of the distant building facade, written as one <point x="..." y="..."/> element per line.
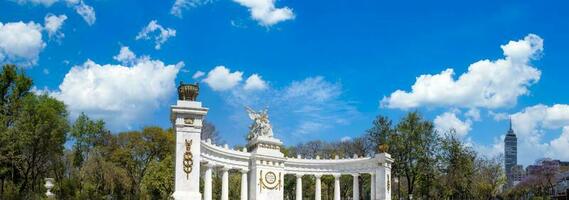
<point x="511" y="157"/>
<point x="518" y="173"/>
<point x="561" y="189"/>
<point x="555" y="170"/>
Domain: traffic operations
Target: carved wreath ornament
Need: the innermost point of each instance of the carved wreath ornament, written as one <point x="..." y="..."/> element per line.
<point x="388" y="183"/>
<point x="188" y="159"/>
<point x="270" y="181"/>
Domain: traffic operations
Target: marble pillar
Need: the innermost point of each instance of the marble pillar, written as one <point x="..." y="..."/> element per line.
<point x="356" y="187"/>
<point x="244" y="183"/>
<point x="207" y="182"/>
<point x="298" y="186"/>
<point x="337" y="186"/>
<point x="318" y="192"/>
<point x="225" y="183"/>
<point x="373" y="187"/>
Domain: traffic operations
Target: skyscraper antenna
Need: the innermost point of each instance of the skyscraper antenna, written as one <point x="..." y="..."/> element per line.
<point x="511" y="130"/>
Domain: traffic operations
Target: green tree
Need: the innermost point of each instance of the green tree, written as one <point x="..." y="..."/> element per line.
<point x="102" y="178"/>
<point x="457" y="162"/>
<point x="14" y="86"/>
<point x="87" y="134"/>
<point x="134" y="151"/>
<point x="37" y="137"/>
<point x="158" y="182"/>
<point x="489" y="178"/>
<point x="32" y="134"/>
<point x="413" y="146"/>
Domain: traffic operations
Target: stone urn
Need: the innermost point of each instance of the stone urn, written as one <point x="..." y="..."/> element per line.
<point x="383" y="148"/>
<point x="49" y="186"/>
<point x="188" y="92"/>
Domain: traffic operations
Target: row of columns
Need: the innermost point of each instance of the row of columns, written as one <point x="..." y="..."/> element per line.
<point x="318" y="192"/>
<point x="224" y="183"/>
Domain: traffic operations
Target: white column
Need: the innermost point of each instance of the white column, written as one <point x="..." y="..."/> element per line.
<point x="372" y="186"/>
<point x="298" y="186"/>
<point x="337" y="186"/>
<point x="244" y="184"/>
<point x="383" y="177"/>
<point x="207" y="182"/>
<point x="225" y="183"/>
<point x="187" y="118"/>
<point x="356" y="187"/>
<point x="318" y="190"/>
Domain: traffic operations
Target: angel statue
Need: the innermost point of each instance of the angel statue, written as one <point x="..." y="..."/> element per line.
<point x="261" y="125"/>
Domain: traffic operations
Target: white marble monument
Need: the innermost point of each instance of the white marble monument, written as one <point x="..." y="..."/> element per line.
<point x="261" y="164"/>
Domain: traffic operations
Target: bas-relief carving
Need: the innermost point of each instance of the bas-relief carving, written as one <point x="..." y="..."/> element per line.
<point x="189" y="121"/>
<point x="188" y="159"/>
<point x="388" y="183"/>
<point x="269" y="180"/>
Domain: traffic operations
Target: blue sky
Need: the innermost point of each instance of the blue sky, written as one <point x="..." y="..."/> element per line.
<point x="325" y="69"/>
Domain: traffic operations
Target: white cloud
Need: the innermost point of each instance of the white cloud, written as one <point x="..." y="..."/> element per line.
<point x="124" y="96"/>
<point x="448" y="120"/>
<point x="20" y="43"/>
<point x="265" y="12"/>
<point x="560" y="146"/>
<point x="160" y="38"/>
<point x="540" y="116"/>
<point x="486" y="84"/>
<point x="237" y="24"/>
<point x="220" y="78"/>
<point x="255" y="82"/>
<point x="46" y="3"/>
<point x="474" y="114"/>
<point x="315" y="88"/>
<point x="198" y="74"/>
<point x="52" y="25"/>
<point x="85" y="11"/>
<point x="491" y="151"/>
<point x="125" y="56"/>
<point x="180" y="5"/>
<point x="345" y="139"/>
<point x="498" y="116"/>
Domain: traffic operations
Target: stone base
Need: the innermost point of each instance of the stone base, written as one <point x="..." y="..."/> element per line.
<point x="267" y="146"/>
<point x="184" y="195"/>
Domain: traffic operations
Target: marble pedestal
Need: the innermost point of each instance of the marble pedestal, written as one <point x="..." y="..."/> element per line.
<point x="266" y="175"/>
<point x="187" y="117"/>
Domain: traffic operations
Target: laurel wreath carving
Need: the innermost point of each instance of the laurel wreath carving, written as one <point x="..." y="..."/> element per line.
<point x="388" y="183"/>
<point x="265" y="185"/>
<point x="188" y="159"/>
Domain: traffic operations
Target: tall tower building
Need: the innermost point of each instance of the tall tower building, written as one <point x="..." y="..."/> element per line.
<point x="511" y="155"/>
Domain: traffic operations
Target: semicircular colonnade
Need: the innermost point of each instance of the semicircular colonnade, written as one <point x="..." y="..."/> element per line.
<point x="261" y="163"/>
